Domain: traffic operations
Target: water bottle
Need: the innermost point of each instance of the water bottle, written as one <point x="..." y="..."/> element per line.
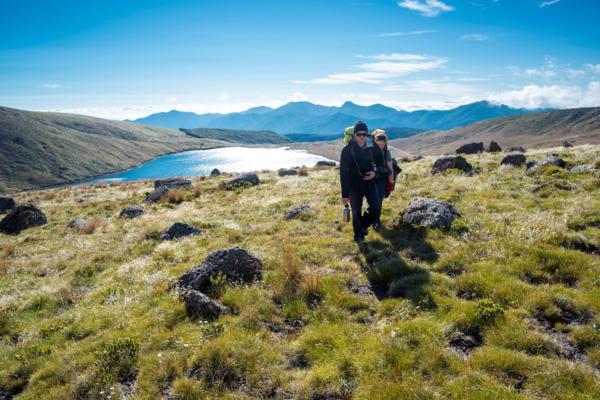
<point x="346" y="213"/>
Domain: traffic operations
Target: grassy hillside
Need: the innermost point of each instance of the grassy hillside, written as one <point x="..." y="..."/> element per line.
<point x="581" y="126"/>
<point x="39" y="149"/>
<point x="96" y="315"/>
<point x="237" y="136"/>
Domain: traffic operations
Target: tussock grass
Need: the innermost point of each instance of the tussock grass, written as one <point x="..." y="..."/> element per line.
<point x="92" y="315"/>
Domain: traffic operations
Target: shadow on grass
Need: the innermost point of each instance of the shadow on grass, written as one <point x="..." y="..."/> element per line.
<point x="390" y="275"/>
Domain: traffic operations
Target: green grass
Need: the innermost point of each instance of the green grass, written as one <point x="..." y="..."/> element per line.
<point x="93" y="315"/>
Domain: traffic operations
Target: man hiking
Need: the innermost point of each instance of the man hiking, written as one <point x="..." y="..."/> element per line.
<point x="357" y="173"/>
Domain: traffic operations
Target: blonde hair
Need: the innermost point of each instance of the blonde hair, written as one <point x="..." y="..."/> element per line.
<point x="380" y="132"/>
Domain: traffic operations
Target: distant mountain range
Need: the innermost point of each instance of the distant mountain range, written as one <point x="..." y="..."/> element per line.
<point x="237" y="136"/>
<point x="308" y="118"/>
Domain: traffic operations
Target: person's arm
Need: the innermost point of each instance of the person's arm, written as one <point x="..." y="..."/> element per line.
<point x="345" y="173"/>
<point x="390" y="166"/>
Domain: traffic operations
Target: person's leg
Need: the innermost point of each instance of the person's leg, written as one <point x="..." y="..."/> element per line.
<point x="380" y="185"/>
<point x="356" y="200"/>
<point x="373" y="210"/>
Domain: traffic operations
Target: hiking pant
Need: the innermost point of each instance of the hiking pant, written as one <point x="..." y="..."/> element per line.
<point x="380" y="185"/>
<point x="361" y="221"/>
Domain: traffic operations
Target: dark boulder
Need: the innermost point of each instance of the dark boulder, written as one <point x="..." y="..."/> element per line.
<point x="515" y="160"/>
<point x="431" y="213"/>
<point x="287" y="172"/>
<point x="447" y="162"/>
<point x="6" y="203"/>
<point x="130" y="212"/>
<point x="157" y="194"/>
<point x="22" y="217"/>
<point x="199" y="305"/>
<point x="172" y="183"/>
<point x="470" y="148"/>
<point x="296" y="211"/>
<point x="566" y="143"/>
<point x="77" y="223"/>
<point x="516" y="149"/>
<point x="324" y="163"/>
<point x="242" y="180"/>
<point x="179" y="230"/>
<point x="236" y="264"/>
<point x="494" y="147"/>
<point x="215" y="172"/>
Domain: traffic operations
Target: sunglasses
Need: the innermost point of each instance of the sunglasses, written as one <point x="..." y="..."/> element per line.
<point x="380" y="139"/>
<point x="360" y="134"/>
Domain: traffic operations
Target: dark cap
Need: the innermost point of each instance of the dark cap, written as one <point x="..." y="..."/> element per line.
<point x="361" y="127"/>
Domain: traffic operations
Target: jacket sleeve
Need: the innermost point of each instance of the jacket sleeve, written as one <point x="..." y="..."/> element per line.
<point x="345" y="172"/>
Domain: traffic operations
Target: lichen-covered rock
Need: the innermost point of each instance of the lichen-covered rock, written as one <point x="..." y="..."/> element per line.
<point x="582" y="168"/>
<point x="287" y="172"/>
<point x="22" y="217"/>
<point x="447" y="162"/>
<point x="494" y="147"/>
<point x="77" y="223"/>
<point x="235" y="264"/>
<point x="130" y="212"/>
<point x="172" y="183"/>
<point x="431" y="213"/>
<point x="157" y="194"/>
<point x="244" y="179"/>
<point x="198" y="305"/>
<point x="179" y="230"/>
<point x="551" y="159"/>
<point x="7" y="203"/>
<point x="515" y="160"/>
<point x="470" y="148"/>
<point x="296" y="211"/>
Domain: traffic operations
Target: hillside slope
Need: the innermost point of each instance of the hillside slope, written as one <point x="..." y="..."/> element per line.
<point x="237" y="136"/>
<point x="504" y="305"/>
<point x="580" y="125"/>
<point x="39" y="149"/>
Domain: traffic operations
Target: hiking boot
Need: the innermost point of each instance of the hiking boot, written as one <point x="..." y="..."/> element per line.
<point x="365" y="232"/>
<point x="359" y="239"/>
<point x="377" y="226"/>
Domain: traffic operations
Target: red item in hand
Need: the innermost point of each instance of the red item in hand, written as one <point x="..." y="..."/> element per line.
<point x="389" y="187"/>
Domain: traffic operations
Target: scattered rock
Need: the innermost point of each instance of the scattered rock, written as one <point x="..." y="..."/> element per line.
<point x="22" y="217"/>
<point x="244" y="179"/>
<point x="77" y="223"/>
<point x="516" y="149"/>
<point x="566" y="143"/>
<point x="287" y="172"/>
<point x="324" y="163"/>
<point x="514" y="159"/>
<point x="431" y="213"/>
<point x="235" y="263"/>
<point x="551" y="159"/>
<point x="199" y="305"/>
<point x="447" y="162"/>
<point x="172" y="183"/>
<point x="464" y="344"/>
<point x="554" y="185"/>
<point x="215" y="172"/>
<point x="582" y="168"/>
<point x="296" y="211"/>
<point x="179" y="230"/>
<point x="157" y="194"/>
<point x="470" y="148"/>
<point x="6" y="203"/>
<point x="494" y="147"/>
<point x="131" y="212"/>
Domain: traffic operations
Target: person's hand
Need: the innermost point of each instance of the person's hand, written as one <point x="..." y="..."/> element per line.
<point x="345" y="200"/>
<point x="369" y="175"/>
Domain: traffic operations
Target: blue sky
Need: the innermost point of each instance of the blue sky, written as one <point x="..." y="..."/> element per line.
<point x="126" y="59"/>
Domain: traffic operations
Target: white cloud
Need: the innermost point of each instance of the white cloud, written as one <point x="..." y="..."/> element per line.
<point x="554" y="96"/>
<point x="387" y="66"/>
<point x="51" y="85"/>
<point x="474" y="37"/>
<point x="548" y="3"/>
<point x="595" y="68"/>
<point x="298" y="96"/>
<point x="540" y="72"/>
<point x="427" y="8"/>
<point x="411" y="33"/>
<point x="442" y="88"/>
<point x="223" y="97"/>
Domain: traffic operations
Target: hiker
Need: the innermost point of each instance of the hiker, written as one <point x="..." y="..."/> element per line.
<point x="357" y="174"/>
<point x="384" y="180"/>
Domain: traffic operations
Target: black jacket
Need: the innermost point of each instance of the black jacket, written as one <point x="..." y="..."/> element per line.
<point x="354" y="163"/>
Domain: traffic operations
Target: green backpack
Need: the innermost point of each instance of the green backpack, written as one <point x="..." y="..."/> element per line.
<point x="348" y="134"/>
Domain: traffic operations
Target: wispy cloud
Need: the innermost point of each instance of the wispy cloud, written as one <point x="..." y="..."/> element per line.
<point x="548" y="3"/>
<point x="51" y="85"/>
<point x="386" y="66"/>
<point x="427" y="8"/>
<point x="595" y="68"/>
<point x="411" y="33"/>
<point x="474" y="37"/>
<point x="555" y="96"/>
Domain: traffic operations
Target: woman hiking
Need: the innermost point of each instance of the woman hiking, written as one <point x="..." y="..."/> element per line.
<point x="384" y="180"/>
<point x="357" y="174"/>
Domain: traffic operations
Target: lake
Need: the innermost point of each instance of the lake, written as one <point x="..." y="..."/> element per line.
<point x="201" y="162"/>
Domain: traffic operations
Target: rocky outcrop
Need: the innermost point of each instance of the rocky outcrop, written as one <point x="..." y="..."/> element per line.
<point x="179" y="230"/>
<point x="287" y="172"/>
<point x="551" y="159"/>
<point x="431" y="213"/>
<point x="130" y="212"/>
<point x="22" y="217"/>
<point x="198" y="305"/>
<point x="296" y="211"/>
<point x="172" y="183"/>
<point x="470" y="148"/>
<point x="582" y="168"/>
<point x="324" y="163"/>
<point x="566" y="143"/>
<point x="157" y="194"/>
<point x="215" y="172"/>
<point x="516" y="160"/>
<point x="243" y="180"/>
<point x="447" y="162"/>
<point x="77" y="223"/>
<point x="494" y="147"/>
<point x="7" y="203"/>
<point x="515" y="149"/>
